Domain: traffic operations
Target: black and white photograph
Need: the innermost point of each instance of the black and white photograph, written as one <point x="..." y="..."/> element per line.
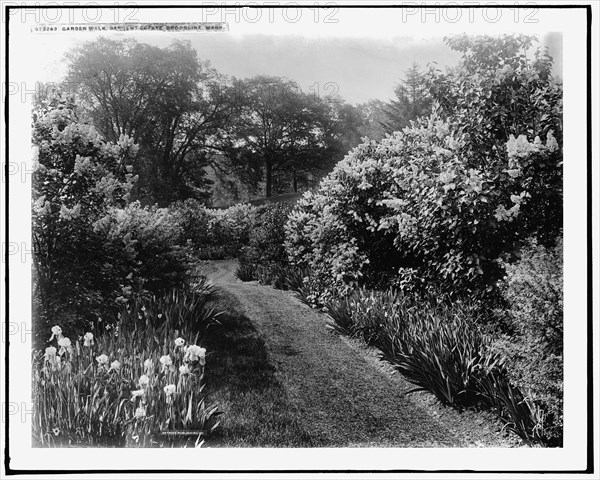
<point x="300" y="239"/>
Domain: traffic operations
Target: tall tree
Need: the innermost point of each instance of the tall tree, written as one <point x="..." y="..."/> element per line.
<point x="412" y="100"/>
<point x="373" y="119"/>
<point x="279" y="131"/>
<point x="165" y="99"/>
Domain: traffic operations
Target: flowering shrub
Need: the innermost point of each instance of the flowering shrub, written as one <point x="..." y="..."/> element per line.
<point x="129" y="386"/>
<point x="323" y="235"/>
<point x="455" y="220"/>
<point x="77" y="178"/>
<point x="503" y="85"/>
<point x="439" y="207"/>
<point x="434" y="206"/>
<point x="412" y="211"/>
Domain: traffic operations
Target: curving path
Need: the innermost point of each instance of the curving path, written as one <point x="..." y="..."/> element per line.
<point x="341" y="387"/>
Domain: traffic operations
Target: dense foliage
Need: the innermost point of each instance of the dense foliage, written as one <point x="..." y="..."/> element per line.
<point x="265" y="256"/>
<point x="441" y="347"/>
<point x="196" y="126"/>
<point x="77" y="179"/>
<point x="433" y="206"/>
<point x="170" y="103"/>
<point x="105" y="272"/>
<point x="534" y="290"/>
<point x="443" y="209"/>
<point x="213" y="233"/>
<point x="142" y="245"/>
<point x="94" y="248"/>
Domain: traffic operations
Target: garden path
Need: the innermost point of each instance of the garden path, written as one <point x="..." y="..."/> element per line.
<point x="342" y="389"/>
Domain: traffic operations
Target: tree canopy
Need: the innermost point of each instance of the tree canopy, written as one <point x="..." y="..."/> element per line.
<point x="412" y="101"/>
<point x="279" y="131"/>
<point x="169" y="102"/>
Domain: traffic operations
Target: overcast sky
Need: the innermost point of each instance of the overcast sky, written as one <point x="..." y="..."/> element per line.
<point x="362" y="54"/>
<point x="358" y="68"/>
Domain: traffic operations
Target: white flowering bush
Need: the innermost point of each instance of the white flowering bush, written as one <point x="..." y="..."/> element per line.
<point x="435" y="205"/>
<point x="130" y="386"/>
<point x="412" y="211"/>
<point x="77" y="178"/>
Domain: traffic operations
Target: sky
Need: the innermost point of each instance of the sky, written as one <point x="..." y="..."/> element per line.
<point x="357" y="69"/>
<point x="357" y="64"/>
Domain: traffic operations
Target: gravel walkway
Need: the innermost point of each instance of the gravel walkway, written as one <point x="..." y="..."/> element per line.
<point x="345" y="393"/>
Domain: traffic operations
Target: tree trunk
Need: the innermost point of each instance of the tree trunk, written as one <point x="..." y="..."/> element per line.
<point x="269" y="178"/>
<point x="295" y="180"/>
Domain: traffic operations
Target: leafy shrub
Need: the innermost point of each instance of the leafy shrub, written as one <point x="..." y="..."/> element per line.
<point x="410" y="211"/>
<point x="122" y="387"/>
<point x="228" y="231"/>
<point x="193" y="218"/>
<point x="266" y="256"/>
<point x="434" y="206"/>
<point x="319" y="237"/>
<point x="144" y="244"/>
<point x="267" y="234"/>
<point x="496" y="71"/>
<point x="533" y="288"/>
<point x="77" y="179"/>
<point x="215" y="234"/>
<point x="236" y="221"/>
